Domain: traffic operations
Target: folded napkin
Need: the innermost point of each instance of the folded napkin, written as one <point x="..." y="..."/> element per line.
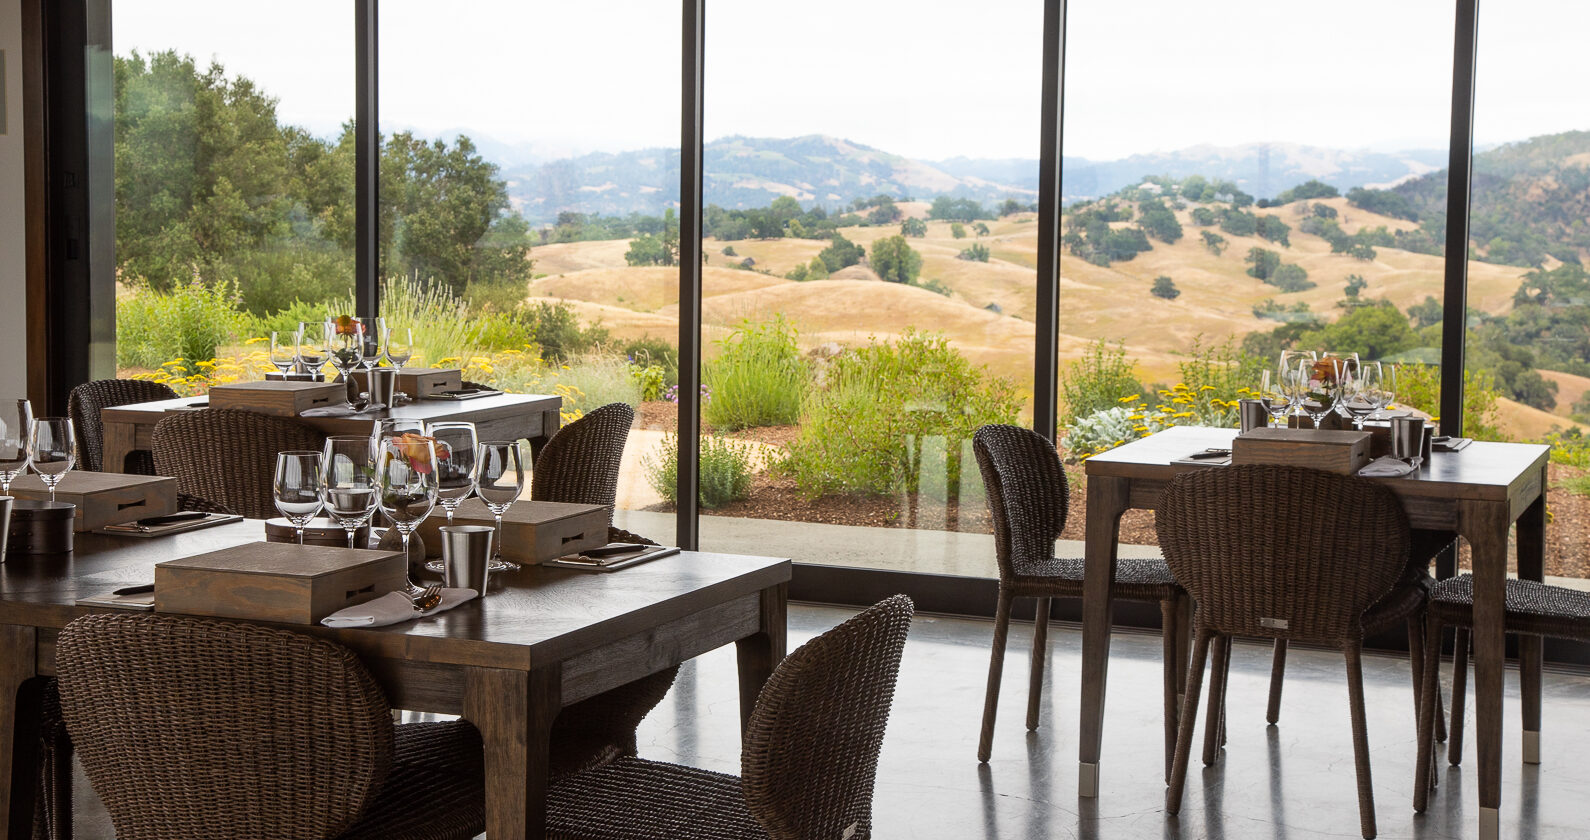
<point x="1386" y="467"/>
<point x="392" y="608"/>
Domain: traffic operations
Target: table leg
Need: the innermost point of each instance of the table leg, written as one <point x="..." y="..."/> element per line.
<point x="514" y="711"/>
<point x="758" y="655"/>
<point x="120" y="438"/>
<point x="1485" y="524"/>
<point x="19" y="724"/>
<point x="1531" y="544"/>
<point x="1107" y="500"/>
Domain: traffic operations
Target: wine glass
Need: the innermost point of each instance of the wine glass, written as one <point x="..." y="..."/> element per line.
<point x="1342" y="366"/>
<point x="391" y="427"/>
<point x="406" y="482"/>
<point x="374" y="340"/>
<point x="1317" y="381"/>
<point x="1277" y="389"/>
<point x="498" y="482"/>
<point x="52" y="450"/>
<point x="284" y="351"/>
<point x="345" y="345"/>
<point x="296" y="487"/>
<point x="348" y="481"/>
<point x="455" y="464"/>
<point x="399" y="346"/>
<point x="16" y="429"/>
<point x="1363" y="392"/>
<point x="311" y="351"/>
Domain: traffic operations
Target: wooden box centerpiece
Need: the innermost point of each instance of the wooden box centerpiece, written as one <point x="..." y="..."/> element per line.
<point x="105" y="498"/>
<point x="265" y="581"/>
<point x="282" y="399"/>
<point x="532" y="532"/>
<point x="1344" y="452"/>
<point x="420" y="382"/>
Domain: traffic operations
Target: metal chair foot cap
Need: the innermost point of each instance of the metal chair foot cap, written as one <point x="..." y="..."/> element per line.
<point x="1088" y="780"/>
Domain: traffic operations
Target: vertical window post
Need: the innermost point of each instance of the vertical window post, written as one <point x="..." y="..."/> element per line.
<point x="1045" y="370"/>
<point x="690" y="156"/>
<point x="1454" y="316"/>
<point x="367" y="163"/>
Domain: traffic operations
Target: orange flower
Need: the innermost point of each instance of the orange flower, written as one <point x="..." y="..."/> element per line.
<point x="416" y="449"/>
<point x="346" y="325"/>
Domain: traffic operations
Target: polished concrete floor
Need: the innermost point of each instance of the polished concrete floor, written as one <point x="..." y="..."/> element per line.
<point x="1294" y="780"/>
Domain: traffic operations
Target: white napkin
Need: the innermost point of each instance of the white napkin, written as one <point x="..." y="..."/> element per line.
<point x="1386" y="467"/>
<point x="392" y="608"/>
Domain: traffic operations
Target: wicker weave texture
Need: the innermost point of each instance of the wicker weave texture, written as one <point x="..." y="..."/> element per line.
<point x="228" y="457"/>
<point x="85" y="403"/>
<point x="1259" y="545"/>
<point x="808" y="761"/>
<point x="1532" y="608"/>
<point x="1027" y="495"/>
<point x="580" y="463"/>
<point x="192" y="728"/>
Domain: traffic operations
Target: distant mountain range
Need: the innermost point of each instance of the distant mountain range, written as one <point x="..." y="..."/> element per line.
<point x="746" y="172"/>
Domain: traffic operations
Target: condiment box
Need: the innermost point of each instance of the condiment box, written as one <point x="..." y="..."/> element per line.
<point x="282" y="399"/>
<point x="294" y="584"/>
<point x="40" y="527"/>
<point x="532" y="532"/>
<point x="105" y="498"/>
<point x="1343" y="452"/>
<point x="420" y="382"/>
<point x="320" y="531"/>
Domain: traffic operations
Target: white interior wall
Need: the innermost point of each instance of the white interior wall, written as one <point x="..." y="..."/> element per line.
<point x="13" y="283"/>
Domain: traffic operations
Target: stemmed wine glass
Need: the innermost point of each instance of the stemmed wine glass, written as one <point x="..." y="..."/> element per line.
<point x="406" y="482"/>
<point x="1363" y="392"/>
<point x="374" y="340"/>
<point x="284" y="351"/>
<point x="52" y="450"/>
<point x="345" y="345"/>
<point x="455" y="464"/>
<point x="1278" y="390"/>
<point x="1319" y="387"/>
<point x="1341" y="366"/>
<point x="391" y="427"/>
<point x="311" y="351"/>
<point x="348" y="481"/>
<point x="16" y="429"/>
<point x="399" y="346"/>
<point x="296" y="487"/>
<point x="499" y="482"/>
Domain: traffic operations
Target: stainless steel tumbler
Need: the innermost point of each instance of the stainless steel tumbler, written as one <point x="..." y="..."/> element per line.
<point x="1407" y="438"/>
<point x="5" y="524"/>
<point x="383" y="386"/>
<point x="466" y="553"/>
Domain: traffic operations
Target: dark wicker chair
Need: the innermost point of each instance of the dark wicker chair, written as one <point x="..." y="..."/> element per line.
<point x="580" y="465"/>
<point x="224" y="459"/>
<point x="195" y="728"/>
<point x="1028" y="498"/>
<point x="1532" y="609"/>
<point x="85" y="403"/>
<point x="1283" y="552"/>
<point x="808" y="760"/>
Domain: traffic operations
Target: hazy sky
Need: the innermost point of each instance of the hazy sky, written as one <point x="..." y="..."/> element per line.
<point x="926" y="79"/>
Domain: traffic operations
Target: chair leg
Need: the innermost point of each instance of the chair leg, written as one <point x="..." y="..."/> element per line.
<point x="1188" y="719"/>
<point x="1440" y="705"/>
<point x="1169" y="615"/>
<point x="1277" y="671"/>
<point x="1040" y="656"/>
<point x="1217" y="700"/>
<point x="1429" y="709"/>
<point x="1225" y="681"/>
<point x="1416" y="659"/>
<point x="1460" y="691"/>
<point x="996" y="667"/>
<point x="1355" y="699"/>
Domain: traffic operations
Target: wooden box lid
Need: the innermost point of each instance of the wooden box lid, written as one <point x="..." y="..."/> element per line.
<point x="1323" y="449"/>
<point x="105" y="498"/>
<point x="532" y="532"/>
<point x="421" y="382"/>
<point x="283" y="399"/>
<point x="298" y="584"/>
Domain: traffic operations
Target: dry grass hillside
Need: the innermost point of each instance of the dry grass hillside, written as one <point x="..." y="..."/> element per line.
<point x="989" y="313"/>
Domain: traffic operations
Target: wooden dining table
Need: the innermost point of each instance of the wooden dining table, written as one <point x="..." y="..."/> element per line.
<point x="532" y="417"/>
<point x="1479" y="492"/>
<point x="541" y="639"/>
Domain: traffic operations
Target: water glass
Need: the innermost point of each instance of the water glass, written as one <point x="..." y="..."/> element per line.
<point x="311" y="346"/>
<point x="284" y="351"/>
<point x="52" y="450"/>
<point x="405" y="481"/>
<point x="1319" y="388"/>
<point x="455" y="464"/>
<point x="16" y="429"/>
<point x="348" y="481"/>
<point x="297" y="487"/>
<point x="374" y="334"/>
<point x="499" y="481"/>
<point x="345" y="345"/>
<point x="399" y="346"/>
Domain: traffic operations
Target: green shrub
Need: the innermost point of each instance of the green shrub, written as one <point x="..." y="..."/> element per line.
<point x="287" y="320"/>
<point x="654" y="351"/>
<point x="864" y="430"/>
<point x="1106" y="429"/>
<point x="188" y="323"/>
<point x="557" y="329"/>
<point x="758" y="378"/>
<point x="600" y="379"/>
<point x="1419" y="386"/>
<point x="441" y="323"/>
<point x="294" y="271"/>
<point x="1100" y="379"/>
<point x="649" y="378"/>
<point x="725" y="470"/>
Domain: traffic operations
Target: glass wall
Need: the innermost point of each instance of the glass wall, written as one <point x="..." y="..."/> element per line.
<point x="234" y="181"/>
<point x="869" y="286"/>
<point x="1238" y="184"/>
<point x="1528" y="348"/>
<point x="529" y="192"/>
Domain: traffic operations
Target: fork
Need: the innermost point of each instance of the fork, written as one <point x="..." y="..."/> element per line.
<point x="427" y="599"/>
